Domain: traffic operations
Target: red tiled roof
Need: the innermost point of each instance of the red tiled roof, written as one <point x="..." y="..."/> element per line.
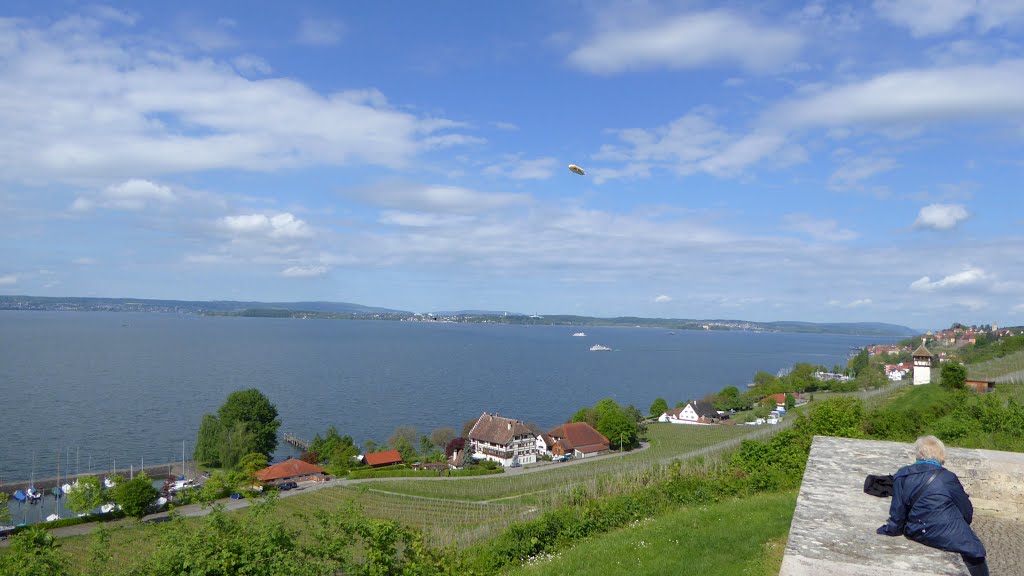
<point x="290" y="468"/>
<point x="383" y="458"/>
<point x="578" y="435"/>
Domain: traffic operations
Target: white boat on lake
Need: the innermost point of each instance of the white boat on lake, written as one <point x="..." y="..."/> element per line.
<point x="580" y="334"/>
<point x="599" y="348"/>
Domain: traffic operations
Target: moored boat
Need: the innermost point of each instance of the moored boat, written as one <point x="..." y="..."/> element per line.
<point x="580" y="334"/>
<point x="599" y="348"/>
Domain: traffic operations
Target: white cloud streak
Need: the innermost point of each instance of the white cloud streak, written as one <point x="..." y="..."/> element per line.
<point x="320" y="32"/>
<point x="941" y="216"/>
<point x="968" y="277"/>
<point x="135" y="194"/>
<point x="304" y="271"/>
<point x="518" y="168"/>
<point x="662" y="299"/>
<point x="689" y="41"/>
<point x="77" y="105"/>
<point x="8" y="280"/>
<point x="934" y="17"/>
<point x="437" y="198"/>
<point x="281" y="226"/>
<point x="822" y="229"/>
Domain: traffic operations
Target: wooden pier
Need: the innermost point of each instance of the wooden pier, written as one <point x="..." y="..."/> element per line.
<point x="296" y="441"/>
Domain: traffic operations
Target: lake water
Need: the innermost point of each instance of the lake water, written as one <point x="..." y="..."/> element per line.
<point x="129" y="387"/>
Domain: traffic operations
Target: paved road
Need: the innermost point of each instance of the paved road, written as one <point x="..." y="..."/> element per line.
<point x="193" y="510"/>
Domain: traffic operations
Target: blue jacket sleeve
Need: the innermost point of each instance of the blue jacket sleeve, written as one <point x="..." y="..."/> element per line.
<point x="897" y="510"/>
<point x="960" y="498"/>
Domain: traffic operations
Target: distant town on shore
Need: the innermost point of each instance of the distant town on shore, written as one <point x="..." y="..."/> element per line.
<point x="349" y="311"/>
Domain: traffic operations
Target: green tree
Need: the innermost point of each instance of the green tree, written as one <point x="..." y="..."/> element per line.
<point x="259" y="415"/>
<point x="87" y="494"/>
<point x="839" y="416"/>
<point x="134" y="495"/>
<point x="954" y="375"/>
<point x="208" y="441"/>
<point x="659" y="407"/>
<point x="236" y="441"/>
<point x="790" y="401"/>
<point x="588" y="415"/>
<point x="406" y="433"/>
<point x="33" y="552"/>
<point x="5" y="513"/>
<point x="440" y="437"/>
<point x="426" y="446"/>
<point x="252" y="463"/>
<point x="859" y="362"/>
<point x="615" y="423"/>
<point x="762" y="378"/>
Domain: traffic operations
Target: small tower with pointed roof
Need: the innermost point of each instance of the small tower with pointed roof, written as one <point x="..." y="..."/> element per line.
<point x="922" y="366"/>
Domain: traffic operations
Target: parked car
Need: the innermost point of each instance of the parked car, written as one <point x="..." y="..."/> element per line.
<point x="287" y="486"/>
<point x="237" y="496"/>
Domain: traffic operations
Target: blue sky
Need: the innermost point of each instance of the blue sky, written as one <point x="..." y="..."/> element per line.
<point x="810" y="161"/>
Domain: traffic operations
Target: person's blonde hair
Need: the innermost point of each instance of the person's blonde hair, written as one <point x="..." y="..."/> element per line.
<point x="930" y="448"/>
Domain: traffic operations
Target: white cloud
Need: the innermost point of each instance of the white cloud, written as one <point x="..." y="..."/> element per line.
<point x="80" y="105"/>
<point x="134" y="194"/>
<point x="420" y="219"/>
<point x="689" y="41"/>
<point x="506" y="126"/>
<point x="822" y="229"/>
<point x="689" y="144"/>
<point x="853" y="171"/>
<point x="437" y="198"/>
<point x="933" y="17"/>
<point x="320" y="31"/>
<point x="8" y="280"/>
<point x="84" y="261"/>
<point x="281" y="226"/>
<point x="859" y="303"/>
<point x="662" y="299"/>
<point x="1018" y="309"/>
<point x="941" y="216"/>
<point x="304" y="271"/>
<point x="968" y="277"/>
<point x="251" y="65"/>
<point x="516" y="167"/>
<point x="910" y="97"/>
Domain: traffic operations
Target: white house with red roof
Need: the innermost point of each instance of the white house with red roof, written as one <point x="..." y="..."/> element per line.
<point x="695" y="412"/>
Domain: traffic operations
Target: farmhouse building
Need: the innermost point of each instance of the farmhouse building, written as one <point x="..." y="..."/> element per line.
<point x="503" y="440"/>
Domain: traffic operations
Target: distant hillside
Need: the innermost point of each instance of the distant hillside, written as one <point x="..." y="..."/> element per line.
<point x="186" y="306"/>
<point x="864" y="328"/>
<point x="343" y="310"/>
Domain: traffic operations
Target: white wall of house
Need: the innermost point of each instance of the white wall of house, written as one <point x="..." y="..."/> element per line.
<point x="542" y="447"/>
<point x="922" y="371"/>
<point x="523" y="448"/>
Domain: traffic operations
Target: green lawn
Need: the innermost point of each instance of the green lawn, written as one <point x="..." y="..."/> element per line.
<point x="739" y="537"/>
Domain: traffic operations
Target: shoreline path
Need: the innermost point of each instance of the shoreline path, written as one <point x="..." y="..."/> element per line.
<point x="197" y="510"/>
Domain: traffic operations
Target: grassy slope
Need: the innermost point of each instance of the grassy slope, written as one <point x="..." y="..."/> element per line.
<point x="738" y="537"/>
<point x="997" y="367"/>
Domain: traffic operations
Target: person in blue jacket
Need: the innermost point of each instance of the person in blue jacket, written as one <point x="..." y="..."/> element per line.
<point x="930" y="506"/>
